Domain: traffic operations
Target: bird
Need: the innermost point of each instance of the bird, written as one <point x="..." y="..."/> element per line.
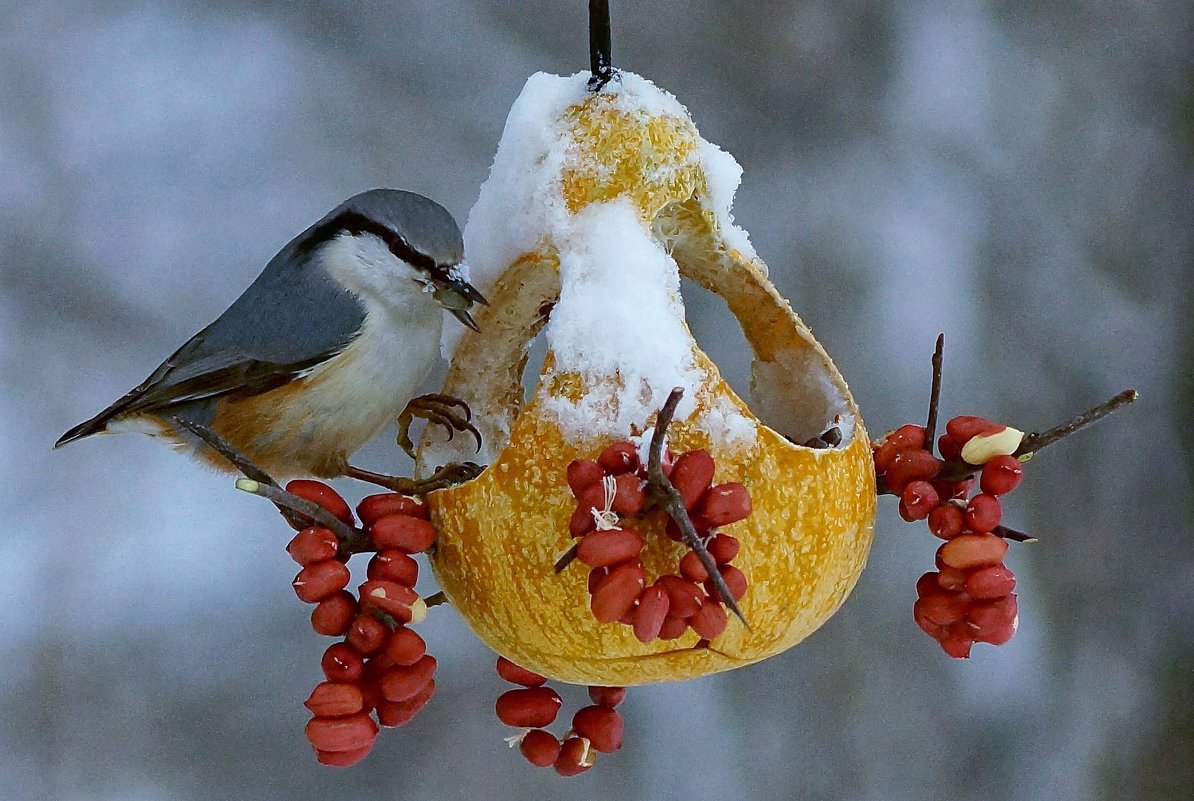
<point x="326" y="347"/>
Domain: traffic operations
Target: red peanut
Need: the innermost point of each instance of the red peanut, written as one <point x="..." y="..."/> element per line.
<point x="602" y="726"/>
<point x="649" y="615"/>
<point x="709" y="621"/>
<point x="725" y="504"/>
<point x="347" y="733"/>
<point x="392" y="714"/>
<point x="968" y="551"/>
<point x="313" y="544"/>
<point x="321" y="580"/>
<point x="334" y="699"/>
<point x="692" y="474"/>
<point x="394" y="565"/>
<point x="607" y="696"/>
<point x="322" y="494"/>
<point x="540" y="748"/>
<point x="533" y="707"/>
<point x="516" y="674"/>
<point x="406" y="681"/>
<point x="374" y="507"/>
<point x="616" y="594"/>
<point x="403" y="532"/>
<point x="610" y="547"/>
<point x="333" y="615"/>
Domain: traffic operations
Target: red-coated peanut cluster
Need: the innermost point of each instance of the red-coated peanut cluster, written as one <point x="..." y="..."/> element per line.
<point x="597" y="728"/>
<point x="614" y="487"/>
<point x="381" y="669"/>
<point x="969" y="599"/>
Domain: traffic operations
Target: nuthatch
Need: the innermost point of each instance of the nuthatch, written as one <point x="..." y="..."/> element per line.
<point x="322" y="351"/>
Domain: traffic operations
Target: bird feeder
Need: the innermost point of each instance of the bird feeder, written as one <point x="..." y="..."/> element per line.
<point x="597" y="204"/>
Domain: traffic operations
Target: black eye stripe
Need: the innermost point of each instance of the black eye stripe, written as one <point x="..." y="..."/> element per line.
<point x="354" y="223"/>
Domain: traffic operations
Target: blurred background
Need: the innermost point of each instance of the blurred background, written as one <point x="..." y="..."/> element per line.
<point x="1017" y="174"/>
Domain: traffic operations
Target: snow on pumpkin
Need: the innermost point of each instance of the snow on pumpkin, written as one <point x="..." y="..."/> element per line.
<point x="595" y="206"/>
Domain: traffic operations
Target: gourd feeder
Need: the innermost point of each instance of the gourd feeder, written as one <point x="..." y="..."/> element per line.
<point x="597" y="204"/>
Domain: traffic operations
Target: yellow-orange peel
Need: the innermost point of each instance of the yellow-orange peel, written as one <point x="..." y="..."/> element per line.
<point x="629" y="168"/>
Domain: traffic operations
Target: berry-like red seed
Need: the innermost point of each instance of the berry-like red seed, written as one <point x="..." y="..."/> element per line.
<point x="684" y="596"/>
<point x="908" y="466"/>
<point x="649" y="614"/>
<point x="367" y="634"/>
<point x="987" y="583"/>
<point x="320" y="580"/>
<point x="581" y="522"/>
<point x="582" y="474"/>
<point x="709" y="621"/>
<point x="949" y="448"/>
<point x="404" y="647"/>
<point x="724" y="504"/>
<point x="919" y="498"/>
<point x="342" y="759"/>
<point x="342" y="663"/>
<point x="392" y="714"/>
<point x="943" y="608"/>
<point x="692" y="569"/>
<point x="313" y="544"/>
<point x="952" y="579"/>
<point x="390" y="597"/>
<point x="394" y="565"/>
<point x="723" y="548"/>
<point x="629" y="494"/>
<point x="374" y="507"/>
<point x="332" y="699"/>
<point x="692" y="474"/>
<point x="323" y="495"/>
<point x="607" y="696"/>
<point x="540" y="748"/>
<point x="962" y="428"/>
<point x="576" y="756"/>
<point x="333" y="615"/>
<point x="673" y="627"/>
<point x="927" y="585"/>
<point x="610" y="547"/>
<point x="968" y="551"/>
<point x="402" y="532"/>
<point x="406" y="681"/>
<point x="618" y="458"/>
<point x="516" y="674"/>
<point x="908" y="437"/>
<point x="347" y="733"/>
<point x="533" y="707"/>
<point x="735" y="581"/>
<point x="1001" y="475"/>
<point x="957" y="641"/>
<point x="616" y="594"/>
<point x="602" y="726"/>
<point x="983" y="513"/>
<point x="946" y="521"/>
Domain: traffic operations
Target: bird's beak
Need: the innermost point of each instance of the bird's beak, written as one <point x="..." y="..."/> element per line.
<point x="458" y="296"/>
<point x="466" y="318"/>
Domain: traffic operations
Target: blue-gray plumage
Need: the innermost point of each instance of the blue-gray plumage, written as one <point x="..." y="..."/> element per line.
<point x="324" y="348"/>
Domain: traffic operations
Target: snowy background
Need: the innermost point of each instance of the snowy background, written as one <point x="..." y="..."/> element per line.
<point x="1018" y="174"/>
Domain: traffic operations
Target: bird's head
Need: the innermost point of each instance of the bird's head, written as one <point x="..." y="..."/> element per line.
<point x="380" y="241"/>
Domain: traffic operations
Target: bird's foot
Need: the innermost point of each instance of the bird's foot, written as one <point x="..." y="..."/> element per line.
<point x="443" y="410"/>
<point x="447" y="476"/>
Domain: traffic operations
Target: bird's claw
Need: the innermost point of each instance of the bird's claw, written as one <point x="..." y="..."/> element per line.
<point x="437" y="410"/>
<point x="447" y="476"/>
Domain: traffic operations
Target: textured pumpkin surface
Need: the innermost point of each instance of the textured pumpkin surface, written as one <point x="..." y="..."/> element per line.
<point x="802" y="550"/>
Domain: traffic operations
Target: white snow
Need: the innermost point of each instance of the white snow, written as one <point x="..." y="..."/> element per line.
<point x="619" y="322"/>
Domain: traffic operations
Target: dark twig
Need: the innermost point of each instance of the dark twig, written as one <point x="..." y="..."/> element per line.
<point x="1012" y="534"/>
<point x="568" y="558"/>
<point x="447" y="476"/>
<point x="352" y="539"/>
<point x="1035" y="442"/>
<point x="240" y="462"/>
<point x="600" y="58"/>
<point x="935" y="393"/>
<point x="670" y="500"/>
<point x="958" y="470"/>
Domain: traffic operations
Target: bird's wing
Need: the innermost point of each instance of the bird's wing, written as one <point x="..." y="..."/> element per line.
<point x="292" y="318"/>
